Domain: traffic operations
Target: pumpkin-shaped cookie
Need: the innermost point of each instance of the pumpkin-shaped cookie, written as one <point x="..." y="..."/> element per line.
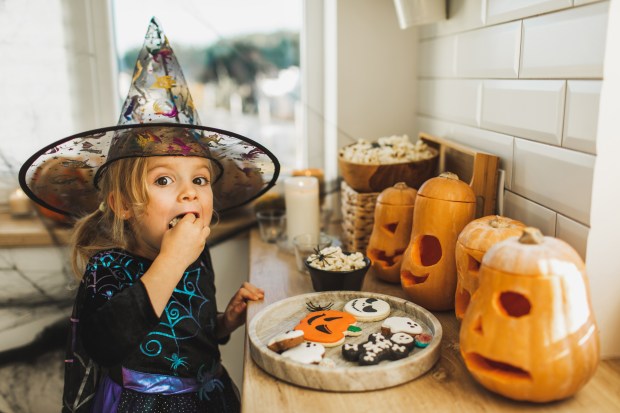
<point x="328" y="327"/>
<point x="529" y="332"/>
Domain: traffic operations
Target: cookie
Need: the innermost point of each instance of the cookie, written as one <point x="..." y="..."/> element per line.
<point x="351" y="352"/>
<point x="306" y="353"/>
<point x="368" y="309"/>
<point x="398" y="352"/>
<point x="423" y="340"/>
<point x="405" y="325"/>
<point x="403" y="339"/>
<point x="287" y="340"/>
<point x="328" y="327"/>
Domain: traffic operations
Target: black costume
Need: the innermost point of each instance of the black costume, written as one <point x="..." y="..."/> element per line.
<point x="117" y="339"/>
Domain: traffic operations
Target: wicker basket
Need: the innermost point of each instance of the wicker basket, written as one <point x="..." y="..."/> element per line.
<point x="358" y="216"/>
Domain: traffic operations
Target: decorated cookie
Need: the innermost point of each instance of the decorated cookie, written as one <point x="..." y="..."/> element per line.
<point x="368" y="309"/>
<point x="328" y="327"/>
<point x="287" y="340"/>
<point x="398" y="352"/>
<point x="306" y="353"/>
<point x="406" y="325"/>
<point x="423" y="340"/>
<point x="351" y="352"/>
<point x="403" y="339"/>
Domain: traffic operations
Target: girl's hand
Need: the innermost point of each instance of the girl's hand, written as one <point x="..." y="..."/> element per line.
<point x="185" y="242"/>
<point x="235" y="313"/>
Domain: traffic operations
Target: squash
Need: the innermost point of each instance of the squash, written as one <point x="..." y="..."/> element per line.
<point x="443" y="206"/>
<point x="529" y="333"/>
<point x="473" y="242"/>
<point x="391" y="231"/>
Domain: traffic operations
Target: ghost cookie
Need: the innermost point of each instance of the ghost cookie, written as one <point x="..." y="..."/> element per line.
<point x="328" y="327"/>
<point x="368" y="309"/>
<point x="306" y="353"/>
<point x="287" y="340"/>
<point x="405" y="325"/>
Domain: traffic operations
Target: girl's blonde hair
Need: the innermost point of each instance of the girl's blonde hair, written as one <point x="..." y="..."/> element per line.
<point x="103" y="229"/>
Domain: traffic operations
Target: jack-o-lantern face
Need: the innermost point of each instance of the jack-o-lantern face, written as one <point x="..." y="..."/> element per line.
<point x="529" y="332"/>
<point x="391" y="231"/>
<point x="473" y="242"/>
<point x="444" y="205"/>
<point x="326" y="326"/>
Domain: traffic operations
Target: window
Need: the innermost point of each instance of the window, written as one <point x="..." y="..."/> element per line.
<point x="241" y="59"/>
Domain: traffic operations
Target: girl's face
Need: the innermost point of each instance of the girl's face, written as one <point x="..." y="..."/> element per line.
<point x="176" y="185"/>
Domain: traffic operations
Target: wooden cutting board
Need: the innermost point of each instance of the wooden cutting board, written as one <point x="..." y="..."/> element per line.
<point x="479" y="169"/>
<point x="284" y="315"/>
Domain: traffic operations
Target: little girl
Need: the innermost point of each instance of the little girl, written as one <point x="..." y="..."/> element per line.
<point x="145" y="328"/>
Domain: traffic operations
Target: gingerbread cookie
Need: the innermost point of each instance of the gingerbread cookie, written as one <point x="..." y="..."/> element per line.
<point x="406" y="325"/>
<point x="368" y="309"/>
<point x="328" y="327"/>
<point x="287" y="340"/>
<point x="306" y="353"/>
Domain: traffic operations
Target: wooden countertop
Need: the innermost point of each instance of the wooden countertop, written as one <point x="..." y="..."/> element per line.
<point x="38" y="231"/>
<point x="447" y="387"/>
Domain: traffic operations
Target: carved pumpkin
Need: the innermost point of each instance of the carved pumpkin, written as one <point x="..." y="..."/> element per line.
<point x="529" y="332"/>
<point x="391" y="231"/>
<point x="443" y="206"/>
<point x="62" y="181"/>
<point x="473" y="242"/>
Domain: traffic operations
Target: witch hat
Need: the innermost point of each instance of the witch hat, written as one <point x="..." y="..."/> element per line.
<point x="158" y="119"/>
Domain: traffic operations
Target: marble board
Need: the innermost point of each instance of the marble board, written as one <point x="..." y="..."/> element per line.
<point x="346" y="376"/>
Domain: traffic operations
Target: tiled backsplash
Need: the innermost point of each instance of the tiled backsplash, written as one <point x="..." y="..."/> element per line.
<point x="522" y="80"/>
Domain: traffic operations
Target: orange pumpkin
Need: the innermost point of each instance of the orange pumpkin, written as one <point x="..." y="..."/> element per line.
<point x="391" y="231"/>
<point x="61" y="183"/>
<point x="471" y="245"/>
<point x="529" y="332"/>
<point x="443" y="206"/>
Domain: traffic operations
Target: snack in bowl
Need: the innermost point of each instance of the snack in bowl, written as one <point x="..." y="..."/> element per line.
<point x="374" y="166"/>
<point x="331" y="269"/>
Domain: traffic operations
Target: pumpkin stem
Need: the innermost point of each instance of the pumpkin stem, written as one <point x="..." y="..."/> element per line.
<point x="449" y="175"/>
<point x="531" y="235"/>
<point x="401" y="185"/>
<point x="499" y="222"/>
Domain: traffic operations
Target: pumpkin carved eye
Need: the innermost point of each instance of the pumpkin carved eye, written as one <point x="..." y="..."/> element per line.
<point x="428" y="249"/>
<point x="514" y="304"/>
<point x="473" y="265"/>
<point x="391" y="227"/>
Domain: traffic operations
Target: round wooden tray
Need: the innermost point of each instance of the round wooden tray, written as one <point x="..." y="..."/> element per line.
<point x="284" y="315"/>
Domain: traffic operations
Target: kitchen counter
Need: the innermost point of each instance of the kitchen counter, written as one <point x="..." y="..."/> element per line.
<point x="448" y="386"/>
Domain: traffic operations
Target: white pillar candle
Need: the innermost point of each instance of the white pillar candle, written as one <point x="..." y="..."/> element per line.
<point x="301" y="196"/>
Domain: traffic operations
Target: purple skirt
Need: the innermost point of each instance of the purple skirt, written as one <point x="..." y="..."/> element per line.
<point x="109" y="392"/>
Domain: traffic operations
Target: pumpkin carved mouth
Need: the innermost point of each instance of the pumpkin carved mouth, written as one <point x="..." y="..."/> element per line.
<point x="483" y="364"/>
<point x="408" y="279"/>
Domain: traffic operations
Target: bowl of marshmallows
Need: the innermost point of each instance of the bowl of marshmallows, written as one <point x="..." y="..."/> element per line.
<point x="332" y="269"/>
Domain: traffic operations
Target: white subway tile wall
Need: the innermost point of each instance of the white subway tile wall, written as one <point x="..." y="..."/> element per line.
<point x="522" y="80"/>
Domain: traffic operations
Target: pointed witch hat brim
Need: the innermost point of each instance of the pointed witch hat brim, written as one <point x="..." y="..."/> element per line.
<point x="158" y="119"/>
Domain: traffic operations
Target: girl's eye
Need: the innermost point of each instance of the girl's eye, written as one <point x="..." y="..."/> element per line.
<point x="163" y="181"/>
<point x="201" y="181"/>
